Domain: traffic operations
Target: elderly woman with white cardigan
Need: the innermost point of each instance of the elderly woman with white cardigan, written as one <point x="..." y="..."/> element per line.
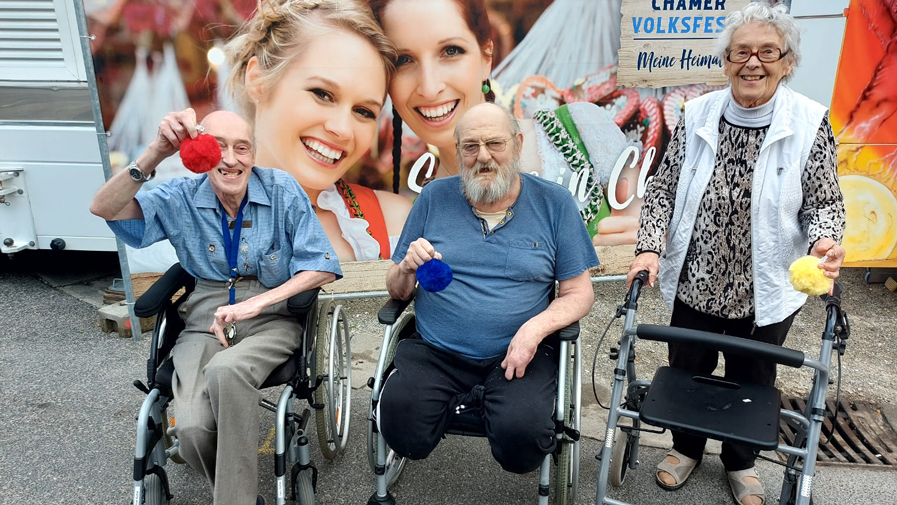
<point x="748" y="184"/>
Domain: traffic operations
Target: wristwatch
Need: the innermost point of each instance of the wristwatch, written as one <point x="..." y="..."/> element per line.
<point x="137" y="174"/>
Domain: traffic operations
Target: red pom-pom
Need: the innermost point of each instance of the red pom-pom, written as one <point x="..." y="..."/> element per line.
<point x="200" y="154"/>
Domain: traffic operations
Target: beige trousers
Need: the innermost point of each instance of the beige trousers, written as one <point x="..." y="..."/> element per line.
<point x="216" y="389"/>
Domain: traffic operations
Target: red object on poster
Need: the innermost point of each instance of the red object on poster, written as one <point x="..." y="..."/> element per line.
<point x="200" y="154"/>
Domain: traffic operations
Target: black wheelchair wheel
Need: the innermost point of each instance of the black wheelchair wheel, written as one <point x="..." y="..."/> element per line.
<point x="333" y="363"/>
<point x="154" y="490"/>
<point x="304" y="488"/>
<point x="394" y="462"/>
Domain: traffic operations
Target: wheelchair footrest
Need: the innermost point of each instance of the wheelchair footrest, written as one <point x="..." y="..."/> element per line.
<point x="713" y="407"/>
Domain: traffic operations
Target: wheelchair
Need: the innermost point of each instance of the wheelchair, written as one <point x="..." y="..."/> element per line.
<point x="319" y="372"/>
<point x="715" y="407"/>
<point x="387" y="465"/>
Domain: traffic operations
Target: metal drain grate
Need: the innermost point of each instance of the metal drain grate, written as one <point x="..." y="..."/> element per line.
<point x="862" y="436"/>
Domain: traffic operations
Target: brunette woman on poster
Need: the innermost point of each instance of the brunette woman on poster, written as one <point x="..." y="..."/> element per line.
<point x="443" y="66"/>
<point x="311" y="76"/>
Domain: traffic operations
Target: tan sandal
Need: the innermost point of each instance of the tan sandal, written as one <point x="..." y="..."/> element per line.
<point x="742" y="489"/>
<point x="679" y="471"/>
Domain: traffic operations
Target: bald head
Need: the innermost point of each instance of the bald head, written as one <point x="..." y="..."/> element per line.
<point x="487" y="115"/>
<point x="227" y="125"/>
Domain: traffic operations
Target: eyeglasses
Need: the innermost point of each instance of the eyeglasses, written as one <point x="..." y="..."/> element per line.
<point x="766" y="55"/>
<point x="494" y="146"/>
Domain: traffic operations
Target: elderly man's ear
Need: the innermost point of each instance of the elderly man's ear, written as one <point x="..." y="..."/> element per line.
<point x="519" y="143"/>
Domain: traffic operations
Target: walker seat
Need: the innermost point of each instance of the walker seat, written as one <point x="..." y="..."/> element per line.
<point x="713" y="407"/>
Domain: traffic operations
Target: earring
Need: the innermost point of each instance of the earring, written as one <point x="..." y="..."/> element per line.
<point x="486" y="87"/>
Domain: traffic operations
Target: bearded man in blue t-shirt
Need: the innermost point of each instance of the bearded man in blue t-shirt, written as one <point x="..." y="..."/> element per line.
<point x="507" y="237"/>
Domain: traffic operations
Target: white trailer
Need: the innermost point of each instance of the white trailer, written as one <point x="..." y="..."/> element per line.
<point x="53" y="153"/>
<point x="50" y="159"/>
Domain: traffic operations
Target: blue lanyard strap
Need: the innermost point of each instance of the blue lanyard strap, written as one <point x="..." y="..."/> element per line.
<point x="232" y="245"/>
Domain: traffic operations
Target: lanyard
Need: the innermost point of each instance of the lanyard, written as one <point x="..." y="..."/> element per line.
<point x="232" y="246"/>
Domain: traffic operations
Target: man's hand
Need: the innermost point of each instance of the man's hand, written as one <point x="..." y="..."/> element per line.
<point x="836" y="254"/>
<point x="174" y="128"/>
<point x="231" y="314"/>
<point x="419" y="252"/>
<point x="649" y="261"/>
<point x="520" y="352"/>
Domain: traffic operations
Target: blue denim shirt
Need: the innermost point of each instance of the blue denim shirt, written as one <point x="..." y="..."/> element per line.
<point x="281" y="235"/>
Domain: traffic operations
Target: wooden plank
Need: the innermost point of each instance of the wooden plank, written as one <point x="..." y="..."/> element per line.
<point x="661" y="46"/>
<point x="615" y="260"/>
<point x="361" y="277"/>
<point x="370" y="276"/>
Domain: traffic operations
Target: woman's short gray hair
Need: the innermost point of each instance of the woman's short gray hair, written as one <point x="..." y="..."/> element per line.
<point x="761" y="12"/>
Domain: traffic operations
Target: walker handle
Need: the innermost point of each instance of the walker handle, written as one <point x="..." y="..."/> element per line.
<point x="635" y="289"/>
<point x="724" y="343"/>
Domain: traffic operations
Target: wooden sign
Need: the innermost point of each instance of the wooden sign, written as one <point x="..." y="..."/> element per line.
<point x="672" y="42"/>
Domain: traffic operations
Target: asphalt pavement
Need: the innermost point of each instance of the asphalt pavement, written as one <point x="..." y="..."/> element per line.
<point x="67" y="420"/>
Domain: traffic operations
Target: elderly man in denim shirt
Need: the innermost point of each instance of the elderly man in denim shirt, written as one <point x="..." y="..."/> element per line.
<point x="250" y="237"/>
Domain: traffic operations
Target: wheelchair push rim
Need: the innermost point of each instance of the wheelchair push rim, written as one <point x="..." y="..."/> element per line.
<point x="334" y="366"/>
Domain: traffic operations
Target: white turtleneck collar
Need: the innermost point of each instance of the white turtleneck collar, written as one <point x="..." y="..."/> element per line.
<point x="754" y="117"/>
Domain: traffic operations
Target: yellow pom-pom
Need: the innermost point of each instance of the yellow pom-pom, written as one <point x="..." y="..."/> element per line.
<point x="807" y="277"/>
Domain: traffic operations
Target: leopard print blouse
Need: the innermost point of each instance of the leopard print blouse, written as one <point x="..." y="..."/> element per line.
<point x="717" y="277"/>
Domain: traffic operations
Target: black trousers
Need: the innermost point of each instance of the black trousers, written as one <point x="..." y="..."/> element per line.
<point x="428" y="384"/>
<point x="700" y="360"/>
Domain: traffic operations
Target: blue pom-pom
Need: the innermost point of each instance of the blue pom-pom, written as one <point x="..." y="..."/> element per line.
<point x="434" y="275"/>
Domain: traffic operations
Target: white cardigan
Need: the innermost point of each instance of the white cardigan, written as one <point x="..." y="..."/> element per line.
<point x="777" y="238"/>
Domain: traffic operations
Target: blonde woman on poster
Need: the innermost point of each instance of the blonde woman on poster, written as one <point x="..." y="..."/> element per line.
<point x="311" y="75"/>
<point x="443" y="66"/>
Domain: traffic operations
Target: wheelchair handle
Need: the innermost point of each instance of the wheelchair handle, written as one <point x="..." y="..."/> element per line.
<point x="155" y="298"/>
<point x="393" y="308"/>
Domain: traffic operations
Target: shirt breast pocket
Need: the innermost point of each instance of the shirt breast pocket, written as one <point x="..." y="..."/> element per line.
<point x="529" y="261"/>
<point x="274" y="266"/>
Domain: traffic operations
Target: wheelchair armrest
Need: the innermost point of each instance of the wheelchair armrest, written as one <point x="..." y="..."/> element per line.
<point x="393" y="308"/>
<point x="300" y="303"/>
<point x="570" y="332"/>
<point x="724" y="343"/>
<point x="153" y="300"/>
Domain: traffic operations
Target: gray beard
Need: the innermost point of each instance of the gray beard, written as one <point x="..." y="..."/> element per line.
<point x="479" y="192"/>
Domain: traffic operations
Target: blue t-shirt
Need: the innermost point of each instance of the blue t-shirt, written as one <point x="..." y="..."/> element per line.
<point x="281" y="235"/>
<point x="502" y="277"/>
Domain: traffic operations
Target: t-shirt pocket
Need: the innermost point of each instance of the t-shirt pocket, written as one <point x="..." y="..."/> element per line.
<point x="528" y="260"/>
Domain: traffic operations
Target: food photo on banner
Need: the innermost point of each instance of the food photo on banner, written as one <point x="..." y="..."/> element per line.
<point x="597" y="85"/>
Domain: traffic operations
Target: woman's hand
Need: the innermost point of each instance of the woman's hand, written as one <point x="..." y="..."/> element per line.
<point x="649" y="261"/>
<point x="832" y="265"/>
